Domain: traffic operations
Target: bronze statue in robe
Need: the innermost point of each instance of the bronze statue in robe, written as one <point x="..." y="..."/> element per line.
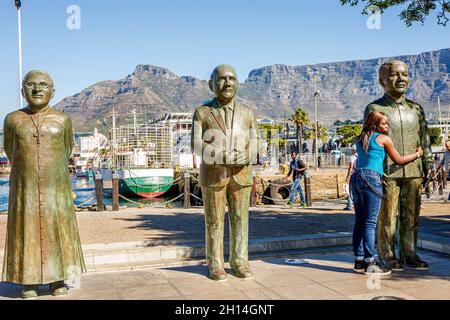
<point x="42" y="241"/>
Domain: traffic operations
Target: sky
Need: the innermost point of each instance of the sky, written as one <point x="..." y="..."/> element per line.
<point x="192" y="37"/>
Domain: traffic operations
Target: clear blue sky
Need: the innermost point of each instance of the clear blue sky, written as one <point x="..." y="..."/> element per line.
<point x="191" y="37"/>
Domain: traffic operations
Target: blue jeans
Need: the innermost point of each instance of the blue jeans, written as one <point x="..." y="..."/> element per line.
<point x="367" y="191"/>
<point x="297" y="186"/>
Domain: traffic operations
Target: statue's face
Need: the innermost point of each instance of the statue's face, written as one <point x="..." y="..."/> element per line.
<point x="38" y="90"/>
<point x="225" y="84"/>
<point x="396" y="81"/>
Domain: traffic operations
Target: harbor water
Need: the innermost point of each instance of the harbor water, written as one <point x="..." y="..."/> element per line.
<point x="84" y="191"/>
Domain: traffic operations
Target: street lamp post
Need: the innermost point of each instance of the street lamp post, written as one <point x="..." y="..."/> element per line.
<point x="316" y="126"/>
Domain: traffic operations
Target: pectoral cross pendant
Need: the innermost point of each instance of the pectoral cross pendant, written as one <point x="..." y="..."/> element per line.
<point x="37" y="136"/>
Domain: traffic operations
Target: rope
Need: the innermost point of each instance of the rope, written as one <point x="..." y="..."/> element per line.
<point x="155" y="185"/>
<point x="172" y="200"/>
<point x="269" y="198"/>
<point x="86" y="202"/>
<point x="281" y="185"/>
<point x="140" y="205"/>
<point x="195" y="197"/>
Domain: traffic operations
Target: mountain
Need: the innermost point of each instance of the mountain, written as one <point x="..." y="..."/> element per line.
<point x="345" y="89"/>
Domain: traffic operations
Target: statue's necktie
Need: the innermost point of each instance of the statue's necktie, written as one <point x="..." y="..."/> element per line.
<point x="228" y="116"/>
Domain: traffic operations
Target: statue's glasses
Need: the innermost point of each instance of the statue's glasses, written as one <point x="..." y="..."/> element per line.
<point x="39" y="86"/>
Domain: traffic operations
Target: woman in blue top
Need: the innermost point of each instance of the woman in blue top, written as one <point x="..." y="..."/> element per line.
<point x="367" y="191"/>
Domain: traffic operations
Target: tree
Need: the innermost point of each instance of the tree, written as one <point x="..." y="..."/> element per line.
<point x="349" y="133"/>
<point x="435" y="136"/>
<point x="270" y="133"/>
<point x="416" y="11"/>
<point x="323" y="135"/>
<point x="300" y="119"/>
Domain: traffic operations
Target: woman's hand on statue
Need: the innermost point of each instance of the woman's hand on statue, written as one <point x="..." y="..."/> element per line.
<point x="419" y="152"/>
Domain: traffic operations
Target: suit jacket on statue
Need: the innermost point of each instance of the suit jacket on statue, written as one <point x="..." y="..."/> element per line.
<point x="211" y="140"/>
<point x="408" y="131"/>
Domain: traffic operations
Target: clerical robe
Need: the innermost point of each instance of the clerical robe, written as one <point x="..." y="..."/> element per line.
<point x="42" y="241"/>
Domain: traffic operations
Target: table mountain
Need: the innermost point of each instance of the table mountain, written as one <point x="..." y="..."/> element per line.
<point x="345" y="89"/>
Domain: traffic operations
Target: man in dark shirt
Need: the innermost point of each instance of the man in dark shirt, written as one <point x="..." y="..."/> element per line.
<point x="297" y="168"/>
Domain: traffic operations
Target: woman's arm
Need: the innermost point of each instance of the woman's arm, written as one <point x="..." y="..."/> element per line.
<point x="388" y="145"/>
<point x="350" y="168"/>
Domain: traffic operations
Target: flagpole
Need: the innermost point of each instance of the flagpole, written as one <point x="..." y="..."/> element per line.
<point x="19" y="27"/>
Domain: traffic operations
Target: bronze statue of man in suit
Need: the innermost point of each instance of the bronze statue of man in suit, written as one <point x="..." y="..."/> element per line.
<point x="402" y="183"/>
<point x="224" y="136"/>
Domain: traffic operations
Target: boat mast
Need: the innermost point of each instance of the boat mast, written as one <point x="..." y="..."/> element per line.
<point x="113" y="138"/>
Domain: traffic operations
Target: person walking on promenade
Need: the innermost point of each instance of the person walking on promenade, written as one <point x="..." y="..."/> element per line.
<point x="446" y="162"/>
<point x="351" y="169"/>
<point x="366" y="185"/>
<point x="297" y="168"/>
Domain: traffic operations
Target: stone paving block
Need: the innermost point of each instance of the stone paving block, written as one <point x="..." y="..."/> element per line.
<point x="312" y="291"/>
<point x="447" y="249"/>
<point x="433" y="246"/>
<point x="144" y="255"/>
<point x="257" y="247"/>
<point x="168" y="253"/>
<point x="322" y="242"/>
<point x="206" y="287"/>
<point x="152" y="292"/>
<point x="429" y="292"/>
<point x="229" y="296"/>
<point x="262" y="294"/>
<point x="283" y="277"/>
<point x="343" y="241"/>
<point x="350" y="287"/>
<point x="110" y="258"/>
<point x="382" y="293"/>
<point x="244" y="285"/>
<point x="302" y="244"/>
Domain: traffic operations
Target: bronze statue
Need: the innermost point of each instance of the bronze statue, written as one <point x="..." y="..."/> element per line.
<point x="224" y="136"/>
<point x="402" y="183"/>
<point x="42" y="241"/>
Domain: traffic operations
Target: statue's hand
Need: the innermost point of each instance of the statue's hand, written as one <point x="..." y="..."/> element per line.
<point x="237" y="158"/>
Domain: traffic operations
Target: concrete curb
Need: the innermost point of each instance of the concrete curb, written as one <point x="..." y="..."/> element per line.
<point x="434" y="243"/>
<point x="141" y="254"/>
<point x="145" y="254"/>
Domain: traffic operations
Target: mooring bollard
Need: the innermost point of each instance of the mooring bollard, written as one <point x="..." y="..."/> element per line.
<point x="445" y="178"/>
<point x="444" y="174"/>
<point x="337" y="186"/>
<point x="115" y="194"/>
<point x="253" y="197"/>
<point x="99" y="191"/>
<point x="187" y="190"/>
<point x="308" y="190"/>
<point x="441" y="181"/>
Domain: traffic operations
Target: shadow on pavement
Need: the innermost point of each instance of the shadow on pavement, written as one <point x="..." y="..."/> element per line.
<point x="190" y="226"/>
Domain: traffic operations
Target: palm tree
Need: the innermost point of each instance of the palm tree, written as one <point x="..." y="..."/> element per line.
<point x="323" y="135"/>
<point x="268" y="130"/>
<point x="300" y="119"/>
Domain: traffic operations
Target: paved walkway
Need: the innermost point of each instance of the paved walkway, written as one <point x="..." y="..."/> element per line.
<point x="326" y="276"/>
<point x="160" y="226"/>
